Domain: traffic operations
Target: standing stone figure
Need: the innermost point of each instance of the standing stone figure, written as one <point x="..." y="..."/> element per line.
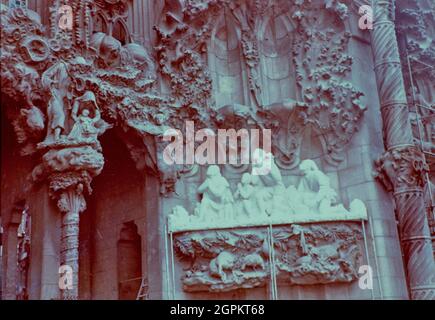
<point x="56" y="80"/>
<point x="245" y="192"/>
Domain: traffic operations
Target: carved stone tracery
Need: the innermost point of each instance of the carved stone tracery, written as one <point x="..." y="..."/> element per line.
<point x="323" y="99"/>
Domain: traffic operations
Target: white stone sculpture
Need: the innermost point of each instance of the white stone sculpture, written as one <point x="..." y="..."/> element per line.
<point x="270" y="189"/>
<point x="315" y="188"/>
<point x="245" y="193"/>
<point x="261" y="198"/>
<point x="85" y="127"/>
<point x="217" y="199"/>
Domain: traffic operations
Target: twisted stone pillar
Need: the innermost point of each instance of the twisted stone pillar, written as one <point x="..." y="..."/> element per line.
<point x="403" y="165"/>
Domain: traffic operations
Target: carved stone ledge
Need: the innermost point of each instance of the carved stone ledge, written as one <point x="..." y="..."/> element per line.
<point x="193" y="224"/>
<point x="225" y="260"/>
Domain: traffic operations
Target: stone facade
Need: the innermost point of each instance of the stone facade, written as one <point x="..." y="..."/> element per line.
<point x="92" y="209"/>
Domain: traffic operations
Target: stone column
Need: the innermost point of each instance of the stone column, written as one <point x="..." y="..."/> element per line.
<point x="71" y="203"/>
<point x="402" y="166"/>
<point x="70" y="167"/>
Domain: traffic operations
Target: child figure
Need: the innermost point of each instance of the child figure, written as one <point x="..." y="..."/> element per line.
<point x="244" y="192"/>
<point x="85" y="126"/>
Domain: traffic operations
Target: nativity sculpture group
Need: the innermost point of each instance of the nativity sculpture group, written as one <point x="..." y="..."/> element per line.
<point x="261" y="198"/>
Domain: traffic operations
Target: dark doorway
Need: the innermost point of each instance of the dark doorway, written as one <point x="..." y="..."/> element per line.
<point x="129" y="262"/>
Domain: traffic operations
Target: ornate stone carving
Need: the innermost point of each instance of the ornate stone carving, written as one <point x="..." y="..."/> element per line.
<point x="73" y="94"/>
<point x="418" y="59"/>
<point x="325" y="99"/>
<point x="71" y="202"/>
<point x="262" y="199"/>
<point x="401" y="169"/>
<point x="419" y="16"/>
<point x="221" y="260"/>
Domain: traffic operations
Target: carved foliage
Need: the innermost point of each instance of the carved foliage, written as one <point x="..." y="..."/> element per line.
<point x="402" y="168"/>
<point x="327" y="100"/>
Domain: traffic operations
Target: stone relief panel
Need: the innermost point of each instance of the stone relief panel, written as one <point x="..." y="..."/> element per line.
<point x="225" y="260"/>
<point x="261" y="198"/>
<point x="240" y="238"/>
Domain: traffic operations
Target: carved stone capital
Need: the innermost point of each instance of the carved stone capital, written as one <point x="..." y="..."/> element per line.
<point x="401" y="169"/>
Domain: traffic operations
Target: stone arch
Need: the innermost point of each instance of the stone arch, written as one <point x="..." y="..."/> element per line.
<point x="225" y="63"/>
<point x="120" y="31"/>
<point x="277" y="70"/>
<point x="100" y="23"/>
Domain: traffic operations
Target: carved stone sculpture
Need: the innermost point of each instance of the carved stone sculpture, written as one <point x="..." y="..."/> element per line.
<point x="262" y="199"/>
<point x="317" y="42"/>
<point x="57" y="81"/>
<point x="88" y="123"/>
<point x="108" y="50"/>
<point x="315" y="188"/>
<point x="23" y="254"/>
<point x="224" y="260"/>
<point x="245" y="193"/>
<point x="217" y="199"/>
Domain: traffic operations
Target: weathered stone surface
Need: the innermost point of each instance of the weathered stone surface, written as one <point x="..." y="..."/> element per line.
<point x="224" y="260"/>
<point x="261" y="198"/>
<point x="78" y="105"/>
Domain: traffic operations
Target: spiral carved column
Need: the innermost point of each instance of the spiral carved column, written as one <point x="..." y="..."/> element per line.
<point x="403" y="165"/>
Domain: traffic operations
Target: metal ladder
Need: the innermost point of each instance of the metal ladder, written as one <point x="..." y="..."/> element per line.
<point x="142" y="294"/>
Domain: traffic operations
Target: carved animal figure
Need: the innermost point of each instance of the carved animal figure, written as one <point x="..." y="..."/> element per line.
<point x="29" y="123"/>
<point x="253" y="260"/>
<point x="224" y="261"/>
<point x="29" y="127"/>
<point x="326" y="252"/>
<point x="34" y="118"/>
